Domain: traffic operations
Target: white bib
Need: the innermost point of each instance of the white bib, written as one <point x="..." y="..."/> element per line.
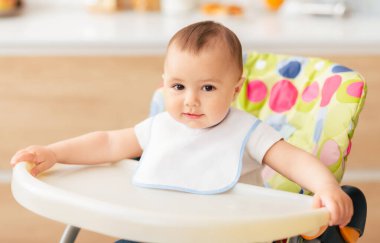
<point x="202" y="161"/>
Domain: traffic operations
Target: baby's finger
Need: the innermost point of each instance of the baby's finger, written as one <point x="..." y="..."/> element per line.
<point x="348" y="212"/>
<point x="317" y="203"/>
<point x="335" y="213"/>
<point x="40" y="168"/>
<point x="22" y="156"/>
<point x="17" y="154"/>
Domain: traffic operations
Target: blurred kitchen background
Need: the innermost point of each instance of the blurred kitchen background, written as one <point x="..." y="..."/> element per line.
<point x="68" y="67"/>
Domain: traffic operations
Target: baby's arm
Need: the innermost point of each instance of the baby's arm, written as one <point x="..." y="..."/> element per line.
<point x="92" y="148"/>
<point x="307" y="171"/>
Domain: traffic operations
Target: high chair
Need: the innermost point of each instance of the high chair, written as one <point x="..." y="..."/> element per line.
<point x="312" y="102"/>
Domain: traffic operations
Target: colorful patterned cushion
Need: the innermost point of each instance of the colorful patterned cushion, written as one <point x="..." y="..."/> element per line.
<point x="313" y="102"/>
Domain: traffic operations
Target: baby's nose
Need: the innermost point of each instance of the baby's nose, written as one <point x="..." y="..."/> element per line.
<point x="191" y="99"/>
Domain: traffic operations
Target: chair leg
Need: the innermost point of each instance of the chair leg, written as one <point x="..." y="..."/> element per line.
<point x="70" y="234"/>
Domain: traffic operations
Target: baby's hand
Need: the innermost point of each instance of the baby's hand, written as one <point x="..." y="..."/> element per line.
<point x="42" y="157"/>
<point x="337" y="202"/>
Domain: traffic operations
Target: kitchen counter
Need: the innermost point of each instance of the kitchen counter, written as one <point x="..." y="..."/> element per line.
<point x="46" y="28"/>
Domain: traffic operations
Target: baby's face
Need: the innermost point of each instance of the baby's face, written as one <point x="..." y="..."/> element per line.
<point x="199" y="89"/>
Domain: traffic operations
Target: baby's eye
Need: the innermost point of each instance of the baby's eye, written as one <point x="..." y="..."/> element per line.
<point x="208" y="88"/>
<point x="178" y="87"/>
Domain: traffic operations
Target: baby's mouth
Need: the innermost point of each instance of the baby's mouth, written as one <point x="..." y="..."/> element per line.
<point x="192" y="115"/>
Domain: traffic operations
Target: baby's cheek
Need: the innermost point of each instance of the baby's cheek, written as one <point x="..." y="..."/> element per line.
<point x="172" y="105"/>
<point x="220" y="113"/>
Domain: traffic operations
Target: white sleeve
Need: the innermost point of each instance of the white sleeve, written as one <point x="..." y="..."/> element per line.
<point x="142" y="131"/>
<point x="261" y="140"/>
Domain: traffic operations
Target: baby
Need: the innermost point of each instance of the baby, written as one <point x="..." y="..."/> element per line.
<point x="200" y="144"/>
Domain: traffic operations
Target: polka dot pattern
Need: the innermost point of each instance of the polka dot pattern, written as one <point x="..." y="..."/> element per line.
<point x="311" y="92"/>
<point x="291" y="69"/>
<point x="318" y="131"/>
<point x="329" y="87"/>
<point x="340" y="69"/>
<point x="319" y="65"/>
<point x="348" y="150"/>
<point x="256" y="91"/>
<point x="355" y="89"/>
<point x="330" y="152"/>
<point x="260" y="64"/>
<point x="283" y="96"/>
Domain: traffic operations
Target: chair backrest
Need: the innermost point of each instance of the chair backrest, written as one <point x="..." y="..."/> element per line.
<point x="313" y="102"/>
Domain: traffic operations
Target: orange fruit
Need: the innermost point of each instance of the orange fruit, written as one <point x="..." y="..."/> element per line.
<point x="274" y="4"/>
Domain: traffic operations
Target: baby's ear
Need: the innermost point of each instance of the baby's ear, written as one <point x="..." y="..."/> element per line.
<point x="239" y="84"/>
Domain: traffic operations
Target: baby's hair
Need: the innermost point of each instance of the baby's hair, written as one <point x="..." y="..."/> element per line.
<point x="199" y="35"/>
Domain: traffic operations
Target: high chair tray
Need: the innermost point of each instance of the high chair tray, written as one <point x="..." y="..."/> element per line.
<point x="102" y="199"/>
